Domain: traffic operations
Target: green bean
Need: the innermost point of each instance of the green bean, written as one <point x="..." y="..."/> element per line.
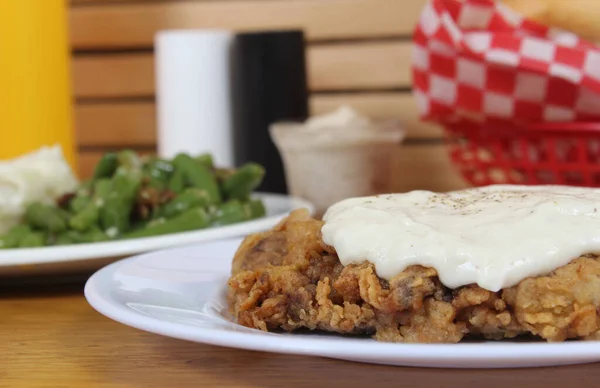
<point x="157" y="172"/>
<point x="65" y="238"/>
<point x="13" y="237"/>
<point x="221" y="174"/>
<point x="102" y="207"/>
<point x="102" y="188"/>
<point x="256" y="208"/>
<point x="94" y="235"/>
<point x="198" y="176"/>
<point x="90" y="214"/>
<point x="75" y="237"/>
<point x="177" y="182"/>
<point x="68" y="237"/>
<point x="155" y="222"/>
<point x="193" y="219"/>
<point x="33" y="239"/>
<point x="129" y="159"/>
<point x="206" y="160"/>
<point x="106" y="166"/>
<point x="188" y="199"/>
<point x="79" y="202"/>
<point x="240" y="184"/>
<point x="85" y="188"/>
<point x="115" y="214"/>
<point x="86" y="185"/>
<point x="45" y="217"/>
<point x="85" y="218"/>
<point x="230" y="212"/>
<point x="64" y="214"/>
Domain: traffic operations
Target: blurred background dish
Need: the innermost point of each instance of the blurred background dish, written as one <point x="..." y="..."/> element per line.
<point x="56" y="225"/>
<point x="128" y="197"/>
<point x="85" y="257"/>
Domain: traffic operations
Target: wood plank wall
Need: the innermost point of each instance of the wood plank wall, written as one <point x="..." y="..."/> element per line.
<point x="358" y="54"/>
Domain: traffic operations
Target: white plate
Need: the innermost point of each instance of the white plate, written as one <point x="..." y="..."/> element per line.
<point x="180" y="293"/>
<point x="82" y="257"/>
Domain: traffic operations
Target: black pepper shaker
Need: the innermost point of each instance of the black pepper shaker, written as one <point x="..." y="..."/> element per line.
<point x="270" y="85"/>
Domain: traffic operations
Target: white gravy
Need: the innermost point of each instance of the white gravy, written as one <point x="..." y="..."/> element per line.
<point x="493" y="236"/>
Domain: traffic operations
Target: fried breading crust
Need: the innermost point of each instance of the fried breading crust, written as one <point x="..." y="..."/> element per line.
<point x="289" y="279"/>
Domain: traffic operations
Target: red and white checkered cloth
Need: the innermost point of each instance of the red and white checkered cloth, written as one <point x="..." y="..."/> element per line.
<point x="478" y="60"/>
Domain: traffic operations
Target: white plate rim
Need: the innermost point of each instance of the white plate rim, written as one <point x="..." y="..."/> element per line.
<point x="349" y="349"/>
<point x="119" y="248"/>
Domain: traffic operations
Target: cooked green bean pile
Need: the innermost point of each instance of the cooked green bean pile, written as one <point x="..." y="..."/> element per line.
<point x="130" y="197"/>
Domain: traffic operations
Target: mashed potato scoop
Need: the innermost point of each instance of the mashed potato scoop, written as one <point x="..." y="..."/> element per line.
<point x="40" y="176"/>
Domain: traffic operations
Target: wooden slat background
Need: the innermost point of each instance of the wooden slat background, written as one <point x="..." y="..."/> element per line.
<point x="111" y="124"/>
<point x="133" y="24"/>
<point x="358" y="54"/>
<point x="331" y="67"/>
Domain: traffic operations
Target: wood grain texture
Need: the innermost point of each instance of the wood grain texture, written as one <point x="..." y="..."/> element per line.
<point x="115" y="124"/>
<point x="98" y="2"/>
<point x="86" y="162"/>
<point x="131" y="24"/>
<point x="123" y="75"/>
<point x="369" y="65"/>
<point x="415" y="166"/>
<point x="349" y="66"/>
<point x="52" y="338"/>
<point x="424" y="167"/>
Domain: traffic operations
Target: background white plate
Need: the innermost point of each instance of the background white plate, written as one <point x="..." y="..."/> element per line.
<point x="85" y="257"/>
<point x="180" y="293"/>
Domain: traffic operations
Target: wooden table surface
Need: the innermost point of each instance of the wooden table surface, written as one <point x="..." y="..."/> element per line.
<point x="50" y="337"/>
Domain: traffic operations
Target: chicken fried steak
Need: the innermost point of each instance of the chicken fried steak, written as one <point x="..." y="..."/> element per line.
<point x="289" y="279"/>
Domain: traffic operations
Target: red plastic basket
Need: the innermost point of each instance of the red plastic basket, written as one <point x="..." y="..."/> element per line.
<point x="549" y="153"/>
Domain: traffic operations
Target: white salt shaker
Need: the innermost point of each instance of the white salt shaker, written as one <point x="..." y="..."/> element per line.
<point x="193" y="93"/>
